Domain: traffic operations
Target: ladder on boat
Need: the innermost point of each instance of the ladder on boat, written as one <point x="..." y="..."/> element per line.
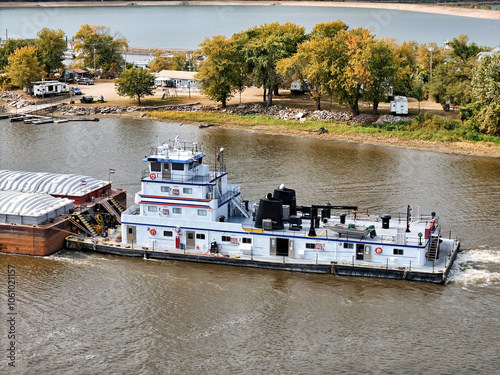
<point x="433" y="252"/>
<point x="116" y="205"/>
<point x="110" y="207"/>
<point x="240" y="205"/>
<point x="82" y="223"/>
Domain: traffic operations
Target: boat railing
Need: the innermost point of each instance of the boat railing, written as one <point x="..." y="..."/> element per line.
<point x="195" y="178"/>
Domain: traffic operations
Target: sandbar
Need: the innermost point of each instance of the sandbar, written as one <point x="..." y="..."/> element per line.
<point x="423" y="8"/>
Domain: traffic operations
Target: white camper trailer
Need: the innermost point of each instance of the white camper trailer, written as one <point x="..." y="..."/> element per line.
<point x="43" y="89"/>
<point x="399" y="105"/>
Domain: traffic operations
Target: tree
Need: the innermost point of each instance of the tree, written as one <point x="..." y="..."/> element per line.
<point x="159" y="62"/>
<point x="312" y="62"/>
<point x="135" y="82"/>
<point x="486" y="90"/>
<point x="51" y="46"/>
<point x="10" y="47"/>
<point x="220" y="73"/>
<point x="24" y="67"/>
<point x="384" y="70"/>
<point x="179" y="61"/>
<point x="461" y="48"/>
<point x="262" y="47"/>
<point x="97" y="48"/>
<point x="417" y="88"/>
<point x="451" y="82"/>
<point x="350" y="70"/>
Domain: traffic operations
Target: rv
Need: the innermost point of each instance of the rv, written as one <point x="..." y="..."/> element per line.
<point x="399" y="105"/>
<point x="43" y="89"/>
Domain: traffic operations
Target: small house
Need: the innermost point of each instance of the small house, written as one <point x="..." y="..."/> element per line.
<point x="180" y="79"/>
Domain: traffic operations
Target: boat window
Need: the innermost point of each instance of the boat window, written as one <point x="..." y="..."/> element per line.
<point x="187" y="191"/>
<point x="165" y="189"/>
<point x="246" y="240"/>
<point x="166" y="166"/>
<point x="310" y="246"/>
<point x="152" y="208"/>
<point x="155" y="167"/>
<point x="398" y="251"/>
<point x="177" y="166"/>
<point x="348" y="245"/>
<point x="202" y="212"/>
<point x="200" y="236"/>
<point x="167" y="233"/>
<point x="191" y="165"/>
<point x="177" y="210"/>
<point x="226" y="239"/>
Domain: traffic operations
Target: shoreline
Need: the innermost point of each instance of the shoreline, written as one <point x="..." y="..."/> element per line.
<point x="422" y="8"/>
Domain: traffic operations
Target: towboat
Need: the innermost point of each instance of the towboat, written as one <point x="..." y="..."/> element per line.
<point x="187" y="211"/>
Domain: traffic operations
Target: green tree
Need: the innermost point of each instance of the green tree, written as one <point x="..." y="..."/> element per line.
<point x="327" y="29"/>
<point x="220" y="73"/>
<point x="10" y="47"/>
<point x="24" y="67"/>
<point x="262" y="47"/>
<point x="135" y="83"/>
<point x="451" y="82"/>
<point x="417" y="88"/>
<point x="51" y="46"/>
<point x="384" y="68"/>
<point x="462" y="49"/>
<point x="95" y="47"/>
<point x="486" y="91"/>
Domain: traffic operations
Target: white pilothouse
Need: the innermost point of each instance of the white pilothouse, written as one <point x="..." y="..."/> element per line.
<point x="183" y="207"/>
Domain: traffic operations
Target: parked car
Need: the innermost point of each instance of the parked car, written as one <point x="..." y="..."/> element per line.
<point x="76" y="91"/>
<point x="85" y="81"/>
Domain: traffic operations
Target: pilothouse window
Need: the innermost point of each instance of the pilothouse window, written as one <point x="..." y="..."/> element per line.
<point x="155" y="167"/>
<point x="177" y="166"/>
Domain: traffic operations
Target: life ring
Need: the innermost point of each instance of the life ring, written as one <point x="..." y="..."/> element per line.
<point x="378" y="250"/>
<point x="152" y="176"/>
<point x="153" y="231"/>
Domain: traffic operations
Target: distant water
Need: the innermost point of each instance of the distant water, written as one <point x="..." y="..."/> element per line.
<point x="85" y="313"/>
<point x="187" y="26"/>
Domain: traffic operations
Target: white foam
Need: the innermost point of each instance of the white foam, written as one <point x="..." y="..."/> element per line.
<point x="479" y="256"/>
<point x="466" y="271"/>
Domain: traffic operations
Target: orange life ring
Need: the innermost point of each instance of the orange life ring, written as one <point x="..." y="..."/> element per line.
<point x="152" y="231"/>
<point x="152" y="176"/>
<point x="378" y="250"/>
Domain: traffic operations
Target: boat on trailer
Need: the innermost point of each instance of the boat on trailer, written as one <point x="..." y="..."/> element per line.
<point x="185" y="211"/>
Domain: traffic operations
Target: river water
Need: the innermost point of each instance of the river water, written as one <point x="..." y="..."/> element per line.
<point x="84" y="313"/>
<point x="187" y="26"/>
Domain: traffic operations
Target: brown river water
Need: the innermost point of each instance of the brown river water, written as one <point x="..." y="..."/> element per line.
<point x="85" y="313"/>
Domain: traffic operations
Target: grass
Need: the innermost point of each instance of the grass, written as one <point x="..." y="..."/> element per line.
<point x="428" y="128"/>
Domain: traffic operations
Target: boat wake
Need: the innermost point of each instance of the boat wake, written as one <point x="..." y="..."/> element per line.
<point x="477" y="267"/>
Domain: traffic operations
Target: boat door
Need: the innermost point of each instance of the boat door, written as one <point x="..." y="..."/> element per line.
<point x="360" y="251"/>
<point x="190" y="239"/>
<point x="131" y="234"/>
<point x="166" y="172"/>
<point x="280" y="247"/>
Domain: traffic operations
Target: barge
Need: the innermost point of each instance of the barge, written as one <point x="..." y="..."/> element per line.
<point x="39" y="210"/>
<point x="187" y="212"/>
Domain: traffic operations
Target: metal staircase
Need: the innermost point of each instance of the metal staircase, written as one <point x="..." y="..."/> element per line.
<point x="82" y="223"/>
<point x="111" y="209"/>
<point x="116" y="205"/>
<point x="433" y="252"/>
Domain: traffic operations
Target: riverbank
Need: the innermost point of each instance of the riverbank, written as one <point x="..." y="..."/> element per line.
<point x="293" y="115"/>
<point x="422" y="8"/>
